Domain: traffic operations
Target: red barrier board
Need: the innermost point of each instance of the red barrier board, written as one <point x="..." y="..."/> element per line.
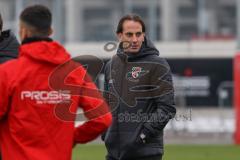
<point x="237" y="97"/>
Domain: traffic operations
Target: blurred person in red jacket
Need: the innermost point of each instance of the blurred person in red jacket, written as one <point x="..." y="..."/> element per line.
<point x="8" y="45"/>
<point x="40" y="94"/>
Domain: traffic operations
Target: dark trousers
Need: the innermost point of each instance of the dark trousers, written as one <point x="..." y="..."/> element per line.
<point x="158" y="157"/>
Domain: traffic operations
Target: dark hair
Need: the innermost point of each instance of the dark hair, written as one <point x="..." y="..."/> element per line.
<point x="1" y="23"/>
<point x="130" y="17"/>
<point x="39" y="17"/>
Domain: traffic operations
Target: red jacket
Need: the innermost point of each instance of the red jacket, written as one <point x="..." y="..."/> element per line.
<point x="38" y="101"/>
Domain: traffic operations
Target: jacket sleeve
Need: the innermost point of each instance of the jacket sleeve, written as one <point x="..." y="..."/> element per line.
<point x="95" y="109"/>
<point x="164" y="102"/>
<point x="106" y="85"/>
<point x="106" y="90"/>
<point x="4" y="93"/>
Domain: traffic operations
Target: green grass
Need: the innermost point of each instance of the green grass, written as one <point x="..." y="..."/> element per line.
<point x="202" y="152"/>
<point x="172" y="152"/>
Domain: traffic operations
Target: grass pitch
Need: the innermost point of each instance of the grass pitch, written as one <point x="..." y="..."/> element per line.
<point x="172" y="152"/>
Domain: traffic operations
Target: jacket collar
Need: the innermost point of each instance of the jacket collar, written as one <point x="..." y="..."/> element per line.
<point x="147" y="49"/>
<point x="36" y="39"/>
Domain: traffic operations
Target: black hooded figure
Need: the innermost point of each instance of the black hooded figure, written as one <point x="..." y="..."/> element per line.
<point x="8" y="44"/>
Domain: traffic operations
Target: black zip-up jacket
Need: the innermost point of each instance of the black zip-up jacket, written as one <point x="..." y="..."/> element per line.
<point x="140" y="91"/>
<point x="8" y="46"/>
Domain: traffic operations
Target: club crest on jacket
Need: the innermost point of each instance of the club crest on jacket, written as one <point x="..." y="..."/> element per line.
<point x="136" y="73"/>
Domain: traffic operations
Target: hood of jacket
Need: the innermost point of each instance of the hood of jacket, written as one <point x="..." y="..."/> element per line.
<point x="44" y="50"/>
<point x="147" y="49"/>
<point x="8" y="44"/>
